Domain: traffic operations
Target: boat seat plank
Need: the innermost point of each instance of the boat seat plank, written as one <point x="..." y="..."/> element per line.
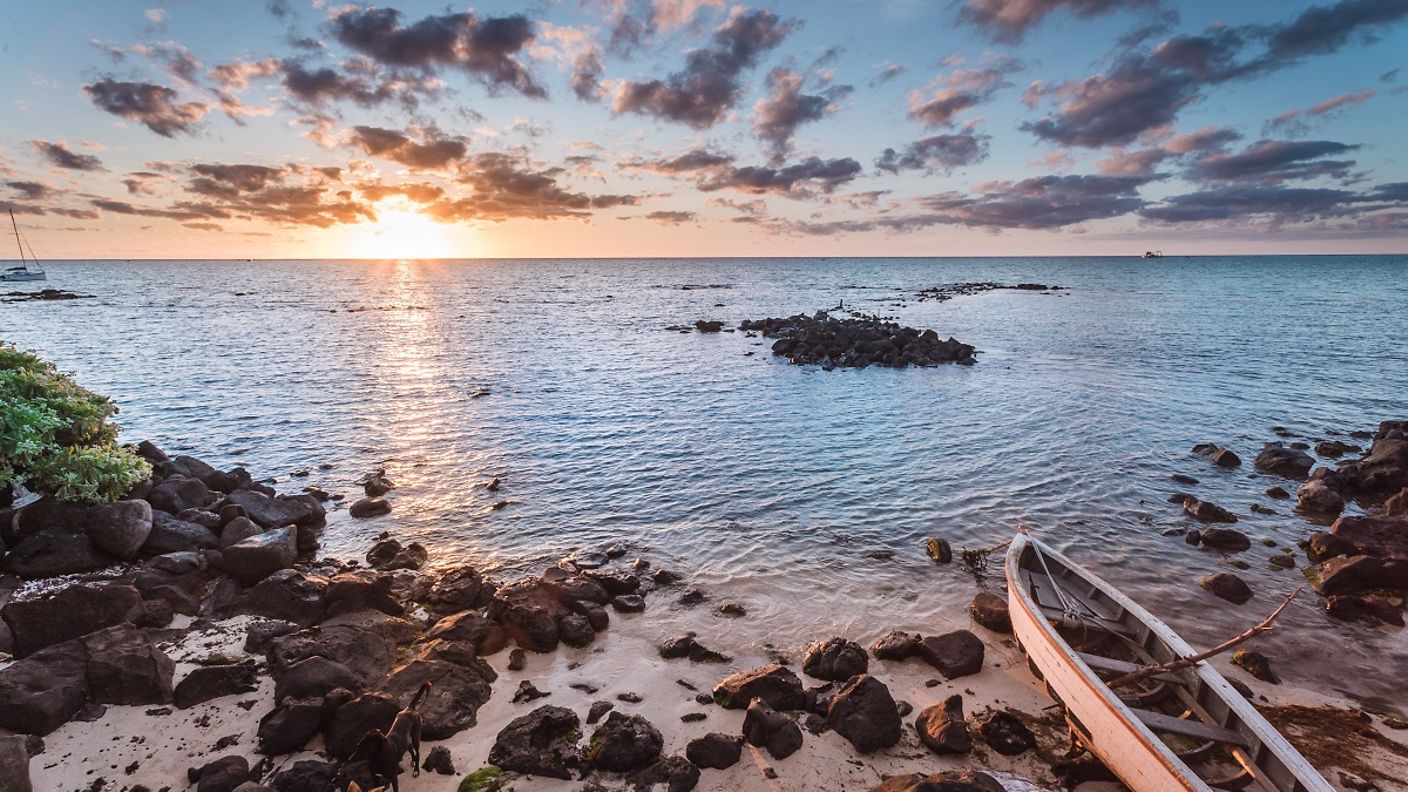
<point x="1159" y="722"/>
<point x="1121" y="667"/>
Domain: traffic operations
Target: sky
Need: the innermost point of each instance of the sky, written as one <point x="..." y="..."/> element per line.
<point x="612" y="128"/>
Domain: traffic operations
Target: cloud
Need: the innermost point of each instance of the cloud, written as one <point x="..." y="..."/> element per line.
<point x="59" y="155"/>
<point x="1144" y="162"/>
<point x="485" y="48"/>
<point x="229" y="181"/>
<point x="709" y="86"/>
<point x="436" y="153"/>
<point x="672" y="218"/>
<point x="1278" y="205"/>
<point x="1043" y="202"/>
<point x="1008" y="21"/>
<point x="712" y="171"/>
<point x="936" y="154"/>
<point x="142" y="182"/>
<point x="507" y="187"/>
<point x="777" y="116"/>
<point x="178" y="61"/>
<point x="1296" y="123"/>
<point x="366" y="88"/>
<point x="960" y="90"/>
<point x="154" y="106"/>
<point x="887" y="71"/>
<point x="418" y="193"/>
<point x="156" y="16"/>
<point x="288" y="195"/>
<point x="236" y="75"/>
<point x="1144" y="91"/>
<point x="1274" y="161"/>
<point x="31" y="190"/>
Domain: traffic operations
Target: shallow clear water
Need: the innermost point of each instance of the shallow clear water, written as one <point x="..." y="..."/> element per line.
<point x="781" y="487"/>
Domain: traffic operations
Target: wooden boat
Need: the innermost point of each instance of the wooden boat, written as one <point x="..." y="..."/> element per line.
<point x="1177" y="731"/>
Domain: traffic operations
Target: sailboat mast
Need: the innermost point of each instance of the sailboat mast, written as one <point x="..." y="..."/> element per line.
<point x="18" y="243"/>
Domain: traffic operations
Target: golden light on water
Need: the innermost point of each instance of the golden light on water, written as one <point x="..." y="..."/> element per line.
<point x="401" y="232"/>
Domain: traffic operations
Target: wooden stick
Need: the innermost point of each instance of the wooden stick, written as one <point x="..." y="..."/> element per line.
<point x="1266" y="625"/>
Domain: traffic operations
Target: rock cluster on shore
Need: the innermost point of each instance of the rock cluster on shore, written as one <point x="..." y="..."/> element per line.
<point x="857" y="342"/>
<point x="948" y="291"/>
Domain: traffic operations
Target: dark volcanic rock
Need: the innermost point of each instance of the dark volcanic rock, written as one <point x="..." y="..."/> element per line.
<point x="775" y="684"/>
<point x="287" y="595"/>
<point x="674" y="773"/>
<point x="863" y="712"/>
<point x="41" y="692"/>
<point x="369" y="507"/>
<point x="990" y="611"/>
<point x="289" y="726"/>
<point x="178" y="494"/>
<point x="1006" y="734"/>
<point x="1379" y="536"/>
<point x="835" y="659"/>
<point x="543" y="743"/>
<point x="456" y="589"/>
<point x="456" y="694"/>
<point x="50" y="553"/>
<point x="1228" y="539"/>
<point x="715" y="751"/>
<point x="1353" y="574"/>
<point x="1316" y="496"/>
<point x="222" y="775"/>
<point x="765" y="727"/>
<point x="1221" y="456"/>
<point x="1279" y="493"/>
<point x="352" y="721"/>
<point x="210" y="682"/>
<point x="438" y="761"/>
<point x="857" y="342"/>
<point x="1284" y="461"/>
<point x="14" y="764"/>
<point x="1256" y="664"/>
<point x="119" y="529"/>
<point x="687" y="646"/>
<point x="485" y="635"/>
<point x="280" y="510"/>
<point x="950" y="781"/>
<point x="943" y="728"/>
<point x="1371" y="610"/>
<point x="170" y="535"/>
<point x="69" y="613"/>
<point x="955" y="654"/>
<point x="1227" y="586"/>
<point x="625" y="743"/>
<point x="896" y="645"/>
<point x="308" y="775"/>
<point x="1207" y="511"/>
<point x="251" y="560"/>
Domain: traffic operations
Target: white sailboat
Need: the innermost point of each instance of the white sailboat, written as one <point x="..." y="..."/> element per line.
<point x="28" y="269"/>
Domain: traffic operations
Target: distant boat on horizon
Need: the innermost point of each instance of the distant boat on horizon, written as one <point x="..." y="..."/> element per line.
<point x="29" y="269"/>
<point x="1148" y="254"/>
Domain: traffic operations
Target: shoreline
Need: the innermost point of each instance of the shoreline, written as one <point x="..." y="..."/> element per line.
<point x="153" y="746"/>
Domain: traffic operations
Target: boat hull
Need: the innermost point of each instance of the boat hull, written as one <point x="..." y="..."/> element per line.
<point x="22" y="276"/>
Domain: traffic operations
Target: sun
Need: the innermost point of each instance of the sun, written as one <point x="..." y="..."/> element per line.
<point x="400" y="232"/>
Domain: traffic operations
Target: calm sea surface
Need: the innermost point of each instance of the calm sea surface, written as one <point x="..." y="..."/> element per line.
<point x="803" y="494"/>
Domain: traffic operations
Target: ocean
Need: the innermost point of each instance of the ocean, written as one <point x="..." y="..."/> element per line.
<point x="804" y="495"/>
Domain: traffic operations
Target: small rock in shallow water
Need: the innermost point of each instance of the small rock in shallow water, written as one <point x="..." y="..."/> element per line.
<point x="1227" y="586"/>
<point x="896" y="646"/>
<point x="1256" y="664"/>
<point x="1259" y="509"/>
<point x="628" y="603"/>
<point x="1228" y="539"/>
<point x="693" y="597"/>
<point x="939" y="550"/>
<point x="731" y="609"/>
<point x="1282" y="561"/>
<point x="1207" y="511"/>
<point x="1279" y="493"/>
<point x="1183" y="479"/>
<point x="369" y="507"/>
<point x="527" y="692"/>
<point x="694" y="717"/>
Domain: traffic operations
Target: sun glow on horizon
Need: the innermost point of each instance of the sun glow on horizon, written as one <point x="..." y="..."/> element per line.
<point x="401" y="232"/>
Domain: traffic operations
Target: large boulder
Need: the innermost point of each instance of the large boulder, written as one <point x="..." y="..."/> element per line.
<point x="1383" y="537"/>
<point x="314" y="677"/>
<point x="943" y="728"/>
<point x="775" y="684"/>
<point x="288" y="727"/>
<point x="251" y="560"/>
<point x="178" y="493"/>
<point x="835" y="659"/>
<point x="456" y="693"/>
<point x="625" y="743"/>
<point x="715" y="751"/>
<point x="864" y="712"/>
<point x="125" y="667"/>
<point x="529" y="613"/>
<point x="237" y="530"/>
<point x="354" y="719"/>
<point x="287" y="595"/>
<point x="280" y="510"/>
<point x="14" y="764"/>
<point x="1384" y="470"/>
<point x="764" y="727"/>
<point x="541" y="743"/>
<point x="1316" y="496"/>
<point x="1356" y="573"/>
<point x="486" y="636"/>
<point x="956" y="654"/>
<point x="120" y="529"/>
<point x="896" y="645"/>
<point x="360" y="589"/>
<point x="71" y="612"/>
<point x="41" y="692"/>
<point x="213" y="681"/>
<point x="50" y="553"/>
<point x="225" y="774"/>
<point x="1283" y="460"/>
<point x="456" y="589"/>
<point x="170" y="535"/>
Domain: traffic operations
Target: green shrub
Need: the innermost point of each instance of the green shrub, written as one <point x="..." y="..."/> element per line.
<point x="56" y="437"/>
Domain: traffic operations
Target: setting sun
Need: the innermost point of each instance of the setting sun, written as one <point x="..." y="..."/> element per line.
<point x="400" y="232"/>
